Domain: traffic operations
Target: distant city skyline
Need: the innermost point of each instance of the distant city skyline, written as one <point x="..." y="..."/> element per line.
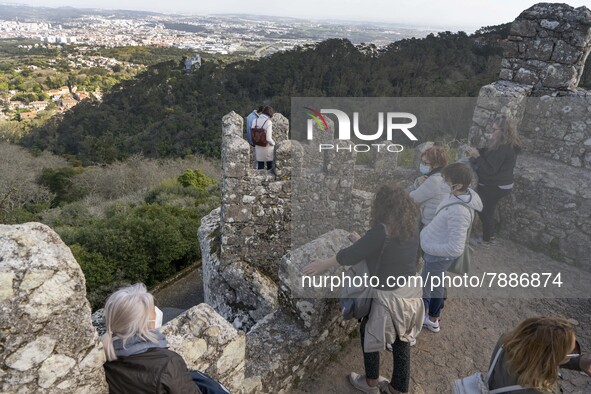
<point x="449" y="14"/>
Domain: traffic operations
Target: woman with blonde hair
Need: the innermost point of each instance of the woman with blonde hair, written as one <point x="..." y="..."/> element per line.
<point x="494" y="165"/>
<point x="389" y="248"/>
<point x="532" y="353"/>
<point x="138" y="359"/>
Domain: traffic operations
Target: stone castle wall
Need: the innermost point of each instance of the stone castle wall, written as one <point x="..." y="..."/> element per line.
<point x="550" y="207"/>
<point x="47" y="342"/>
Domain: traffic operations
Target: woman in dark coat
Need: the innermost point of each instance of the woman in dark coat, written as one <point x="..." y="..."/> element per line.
<point x="494" y="165"/>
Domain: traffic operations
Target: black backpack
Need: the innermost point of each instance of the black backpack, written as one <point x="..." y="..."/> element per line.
<point x="259" y="134"/>
<point x="207" y="384"/>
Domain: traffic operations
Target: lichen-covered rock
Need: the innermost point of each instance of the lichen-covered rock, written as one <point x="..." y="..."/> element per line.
<point x="210" y="344"/>
<point x="281" y="351"/>
<point x="238" y="291"/>
<point x="548" y="45"/>
<point x="298" y="293"/>
<point x="48" y="344"/>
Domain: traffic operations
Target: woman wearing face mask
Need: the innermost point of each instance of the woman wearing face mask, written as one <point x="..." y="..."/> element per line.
<point x="444" y="239"/>
<point x="138" y="359"/>
<point x="494" y="165"/>
<point x="431" y="188"/>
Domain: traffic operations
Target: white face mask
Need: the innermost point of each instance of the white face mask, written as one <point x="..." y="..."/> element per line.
<point x="424" y="169"/>
<point x="158" y="320"/>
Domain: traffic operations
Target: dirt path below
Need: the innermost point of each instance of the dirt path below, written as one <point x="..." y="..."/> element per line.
<point x="469" y="330"/>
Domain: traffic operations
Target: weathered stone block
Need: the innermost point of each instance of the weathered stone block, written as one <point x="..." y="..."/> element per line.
<point x="48" y="339"/>
<point x="210" y="344"/>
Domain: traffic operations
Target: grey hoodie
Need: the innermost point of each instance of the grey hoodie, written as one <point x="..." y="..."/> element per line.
<point x="446" y="235"/>
<point x="137" y="344"/>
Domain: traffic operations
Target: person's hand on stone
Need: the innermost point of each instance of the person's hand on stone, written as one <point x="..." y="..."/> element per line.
<point x="354" y="237"/>
<point x="315" y="267"/>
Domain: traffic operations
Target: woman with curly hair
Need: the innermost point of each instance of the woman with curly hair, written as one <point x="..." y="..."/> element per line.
<point x="531" y="354"/>
<point x="389" y="249"/>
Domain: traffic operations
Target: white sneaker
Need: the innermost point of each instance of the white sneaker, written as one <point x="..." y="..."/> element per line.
<point x="359" y="382"/>
<point x="430" y="325"/>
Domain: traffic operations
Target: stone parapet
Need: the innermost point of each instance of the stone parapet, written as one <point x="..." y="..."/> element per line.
<point x="47" y="342"/>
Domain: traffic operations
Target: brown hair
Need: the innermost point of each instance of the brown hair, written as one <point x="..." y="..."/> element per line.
<point x="535" y="349"/>
<point x="268" y="110"/>
<point x="436" y="155"/>
<point x="458" y="174"/>
<point x="393" y="207"/>
<point x="508" y="134"/>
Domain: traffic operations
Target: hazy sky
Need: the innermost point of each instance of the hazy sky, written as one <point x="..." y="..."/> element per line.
<point x="442" y="13"/>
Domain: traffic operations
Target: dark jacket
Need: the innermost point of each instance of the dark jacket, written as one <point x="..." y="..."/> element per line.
<point x="495" y="167"/>
<point x="502" y="376"/>
<point x="398" y="258"/>
<point x="155" y="371"/>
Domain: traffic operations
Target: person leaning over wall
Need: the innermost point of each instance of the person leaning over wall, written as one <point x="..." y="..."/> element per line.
<point x="533" y="351"/>
<point x="494" y="165"/>
<point x="389" y="249"/>
<point x="138" y="359"/>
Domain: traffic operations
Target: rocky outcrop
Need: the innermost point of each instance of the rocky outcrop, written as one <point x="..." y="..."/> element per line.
<point x="210" y="344"/>
<point x="47" y="342"/>
<point x="548" y="45"/>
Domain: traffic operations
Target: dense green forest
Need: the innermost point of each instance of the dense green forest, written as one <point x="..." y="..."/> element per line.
<point x="127" y="222"/>
<point x="166" y="113"/>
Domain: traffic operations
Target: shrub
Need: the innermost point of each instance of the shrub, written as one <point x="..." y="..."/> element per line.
<point x="60" y="182"/>
<point x="147" y="244"/>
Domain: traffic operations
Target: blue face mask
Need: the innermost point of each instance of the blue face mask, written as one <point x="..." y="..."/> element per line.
<point x="424" y="169"/>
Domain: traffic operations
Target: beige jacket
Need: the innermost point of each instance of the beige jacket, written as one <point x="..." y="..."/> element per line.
<point x="394" y="313"/>
<point x="265" y="153"/>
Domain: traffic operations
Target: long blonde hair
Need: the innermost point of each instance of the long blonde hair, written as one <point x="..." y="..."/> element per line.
<point x="127" y="313"/>
<point x="535" y="349"/>
<point x="508" y="135"/>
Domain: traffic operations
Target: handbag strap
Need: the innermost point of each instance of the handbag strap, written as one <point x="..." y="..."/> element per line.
<point x="261" y="126"/>
<point x="493" y="365"/>
<point x="469" y="210"/>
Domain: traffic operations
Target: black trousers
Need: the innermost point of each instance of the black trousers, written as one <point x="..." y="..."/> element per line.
<point x="261" y="165"/>
<point x="400" y="366"/>
<point x="490" y="196"/>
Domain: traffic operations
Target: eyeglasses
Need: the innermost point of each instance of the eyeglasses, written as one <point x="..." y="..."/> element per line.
<point x="425" y="163"/>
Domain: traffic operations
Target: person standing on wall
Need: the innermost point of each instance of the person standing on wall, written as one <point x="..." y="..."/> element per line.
<point x="265" y="154"/>
<point x="249" y="119"/>
<point x="494" y="165"/>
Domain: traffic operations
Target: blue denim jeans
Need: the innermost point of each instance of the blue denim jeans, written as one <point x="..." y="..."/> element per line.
<point x="434" y="266"/>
